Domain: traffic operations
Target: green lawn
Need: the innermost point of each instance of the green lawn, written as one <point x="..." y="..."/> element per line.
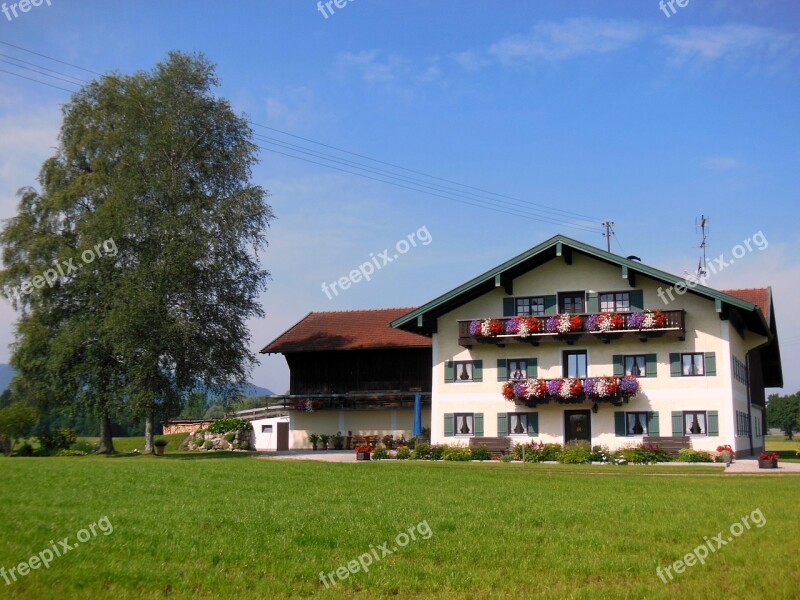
<point x="235" y="526"/>
<point x="779" y="442"/>
<point x="124" y="445"/>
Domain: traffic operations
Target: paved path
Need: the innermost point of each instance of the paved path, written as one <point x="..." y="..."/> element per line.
<point x="320" y="455"/>
<point x="750" y="465"/>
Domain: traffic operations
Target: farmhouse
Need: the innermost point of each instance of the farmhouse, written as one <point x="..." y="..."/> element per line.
<point x="570" y="342"/>
<point x="349" y="371"/>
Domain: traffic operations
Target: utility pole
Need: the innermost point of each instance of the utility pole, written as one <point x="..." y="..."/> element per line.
<point x="609" y="232"/>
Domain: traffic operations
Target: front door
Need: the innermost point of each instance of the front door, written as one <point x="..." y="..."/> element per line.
<point x="577" y="425"/>
<point x="283" y="436"/>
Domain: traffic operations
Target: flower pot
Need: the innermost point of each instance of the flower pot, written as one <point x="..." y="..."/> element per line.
<point x="159" y="450"/>
<point x="362" y="456"/>
<point x="348" y="442"/>
<point x="767" y="464"/>
<point x="313" y="446"/>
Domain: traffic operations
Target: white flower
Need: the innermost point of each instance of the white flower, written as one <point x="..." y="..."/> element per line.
<point x="649" y="321"/>
<point x="523" y="328"/>
<point x="485" y="332"/>
<point x="563" y="323"/>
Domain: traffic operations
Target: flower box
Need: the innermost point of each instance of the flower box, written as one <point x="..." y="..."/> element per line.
<point x="362" y="456"/>
<point x="767" y="464"/>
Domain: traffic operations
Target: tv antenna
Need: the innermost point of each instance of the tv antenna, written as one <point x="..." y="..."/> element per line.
<point x="703" y="224"/>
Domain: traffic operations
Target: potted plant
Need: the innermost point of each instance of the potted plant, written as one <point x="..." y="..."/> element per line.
<point x="159" y="446"/>
<point x="387" y="440"/>
<point x="725" y="454"/>
<point x="348" y="442"/>
<point x="768" y="460"/>
<point x="325" y="438"/>
<point x="314" y="439"/>
<point x="402" y="441"/>
<point x="338" y="441"/>
<point x="363" y="452"/>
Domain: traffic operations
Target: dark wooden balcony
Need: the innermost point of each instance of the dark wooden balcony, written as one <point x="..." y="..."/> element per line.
<point x="673" y="326"/>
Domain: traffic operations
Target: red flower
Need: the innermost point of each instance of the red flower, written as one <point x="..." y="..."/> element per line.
<point x="768" y="456"/>
<point x="496" y="327"/>
<point x="508" y="390"/>
<point x="617" y="322"/>
<point x="661" y="319"/>
<point x="575" y="323"/>
<point x="534" y="325"/>
<point x="364" y="448"/>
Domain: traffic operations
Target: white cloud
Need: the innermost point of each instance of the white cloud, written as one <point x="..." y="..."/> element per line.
<point x="551" y="41"/>
<point x="370" y="67"/>
<point x="722" y="163"/>
<point x="290" y="106"/>
<point x="732" y="43"/>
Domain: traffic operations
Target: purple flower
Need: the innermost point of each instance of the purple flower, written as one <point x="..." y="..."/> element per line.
<point x="592" y="322"/>
<point x="475" y="327"/>
<point x="636" y="320"/>
<point x="554" y="387"/>
<point x="588" y="386"/>
<point x="552" y="324"/>
<point x="519" y="389"/>
<point x="628" y="385"/>
<point x="512" y="325"/>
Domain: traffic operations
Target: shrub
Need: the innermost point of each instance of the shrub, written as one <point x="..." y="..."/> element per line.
<point x="689" y="455"/>
<point x="380" y="453"/>
<point x="457" y="453"/>
<point x="25" y="450"/>
<point x="226" y="425"/>
<point x="230" y="436"/>
<point x="57" y="439"/>
<point x="422" y="450"/>
<point x="506" y="458"/>
<point x="481" y="452"/>
<point x="82" y="446"/>
<point x="437" y="452"/>
<point x="535" y="452"/>
<point x="208" y="445"/>
<point x="64" y="452"/>
<point x="575" y="453"/>
<point x="338" y="441"/>
<point x="649" y="454"/>
<point x="244" y="445"/>
<point x="403" y="453"/>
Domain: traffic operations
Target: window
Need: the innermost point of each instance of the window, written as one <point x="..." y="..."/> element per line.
<point x="692" y="364"/>
<point x="694" y="423"/>
<point x="615" y="302"/>
<point x="517" y="423"/>
<point x="571" y="302"/>
<point x="636" y="366"/>
<point x="575" y="363"/>
<point x="266" y="429"/>
<point x="517" y="369"/>
<point x="740" y="371"/>
<point x="465" y="371"/>
<point x="742" y="424"/>
<point x="464" y="423"/>
<point x="636" y="423"/>
<point x="532" y="306"/>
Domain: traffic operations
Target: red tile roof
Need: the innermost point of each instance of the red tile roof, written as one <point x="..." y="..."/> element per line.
<point x="757" y="296"/>
<point x="347" y="330"/>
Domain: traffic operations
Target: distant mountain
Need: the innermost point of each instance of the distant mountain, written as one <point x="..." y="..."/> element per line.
<point x="7" y="373"/>
<point x="250" y="390"/>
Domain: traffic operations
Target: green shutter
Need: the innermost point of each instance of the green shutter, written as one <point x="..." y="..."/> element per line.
<point x="677" y="423"/>
<point x="711" y="363"/>
<point x="502" y="424"/>
<point x="478" y="424"/>
<point x="637" y="300"/>
<point x="509" y="307"/>
<point x="619" y="365"/>
<point x="448" y="425"/>
<point x="477" y="370"/>
<point x="674" y="364"/>
<point x="652" y="425"/>
<point x="533" y="424"/>
<point x="502" y="369"/>
<point x="651" y="365"/>
<point x="619" y="424"/>
<point x="550" y="304"/>
<point x="713" y="423"/>
<point x="533" y="367"/>
<point x="592" y="302"/>
<point x="449" y="371"/>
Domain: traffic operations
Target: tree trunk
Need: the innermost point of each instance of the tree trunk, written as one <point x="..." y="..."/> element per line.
<point x="106" y="442"/>
<point x="148" y="432"/>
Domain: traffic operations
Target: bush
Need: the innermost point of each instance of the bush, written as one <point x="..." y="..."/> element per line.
<point x="198" y="438"/>
<point x="481" y="452"/>
<point x="25" y="450"/>
<point x="337" y="440"/>
<point x="536" y="452"/>
<point x="506" y="458"/>
<point x="689" y="455"/>
<point x="57" y="439"/>
<point x="226" y="425"/>
<point x="380" y="453"/>
<point x="422" y="451"/>
<point x="437" y="452"/>
<point x="230" y="436"/>
<point x="244" y="445"/>
<point x="649" y="454"/>
<point x="457" y="453"/>
<point x="208" y="445"/>
<point x="575" y="453"/>
<point x="70" y="453"/>
<point x="403" y="453"/>
<point x="82" y="446"/>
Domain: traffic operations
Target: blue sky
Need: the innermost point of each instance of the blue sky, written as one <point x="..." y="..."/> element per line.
<point x="604" y="110"/>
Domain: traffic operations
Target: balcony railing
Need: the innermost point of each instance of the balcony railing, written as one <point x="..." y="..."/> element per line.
<point x="571" y="328"/>
<point x="532" y="392"/>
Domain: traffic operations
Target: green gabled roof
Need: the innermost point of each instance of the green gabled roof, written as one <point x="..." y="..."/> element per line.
<point x="546" y="251"/>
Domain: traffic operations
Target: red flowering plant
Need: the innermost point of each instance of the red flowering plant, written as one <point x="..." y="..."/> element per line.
<point x="508" y="390"/>
<point x="725" y="448"/>
<point x="768" y="456"/>
<point x="660" y="318"/>
<point x="363" y="448"/>
<point x="575" y="323"/>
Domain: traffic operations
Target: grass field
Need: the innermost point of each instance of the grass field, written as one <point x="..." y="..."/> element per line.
<point x="779" y="442"/>
<point x="235" y="526"/>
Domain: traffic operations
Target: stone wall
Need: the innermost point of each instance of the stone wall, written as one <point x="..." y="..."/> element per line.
<point x="185" y="425"/>
<point x="204" y="441"/>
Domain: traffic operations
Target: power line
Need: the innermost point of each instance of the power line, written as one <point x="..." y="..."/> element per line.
<point x="433" y="189"/>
